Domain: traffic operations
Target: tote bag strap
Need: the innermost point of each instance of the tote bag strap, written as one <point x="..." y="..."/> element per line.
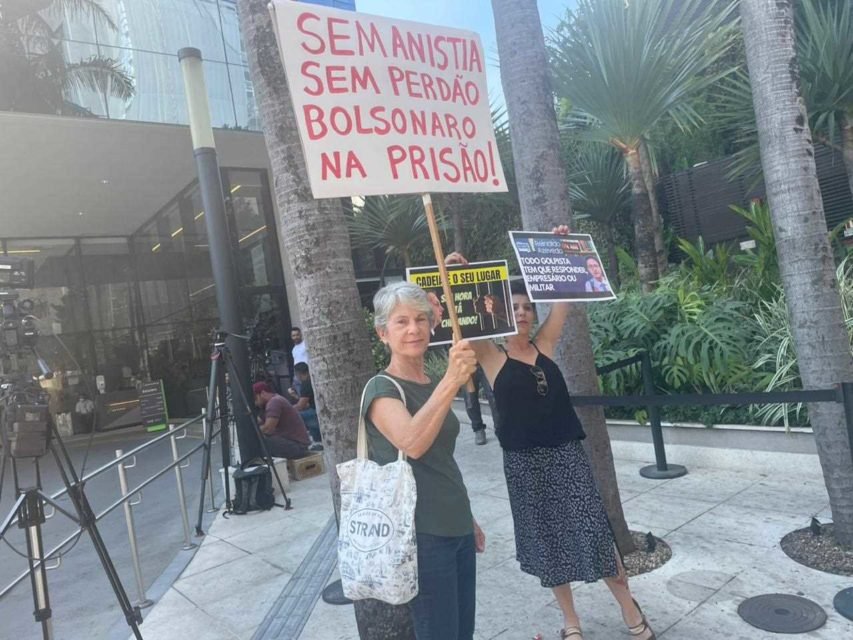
<point x="361" y="442"/>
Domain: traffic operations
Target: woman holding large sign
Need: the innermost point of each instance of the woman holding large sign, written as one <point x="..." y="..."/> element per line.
<point x="562" y="533"/>
<point x="424" y="428"/>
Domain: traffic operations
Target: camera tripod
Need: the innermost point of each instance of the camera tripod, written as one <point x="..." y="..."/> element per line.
<point x="217" y="393"/>
<point x="29" y="512"/>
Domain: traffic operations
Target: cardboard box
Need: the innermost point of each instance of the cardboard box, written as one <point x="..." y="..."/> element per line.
<point x="307" y="467"/>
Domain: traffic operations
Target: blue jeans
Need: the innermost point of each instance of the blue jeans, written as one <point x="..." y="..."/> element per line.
<point x="309" y="417"/>
<point x="447" y="578"/>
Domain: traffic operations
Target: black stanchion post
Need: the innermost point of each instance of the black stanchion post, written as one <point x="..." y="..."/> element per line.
<point x="843" y="600"/>
<point x="847" y="399"/>
<point x="660" y="470"/>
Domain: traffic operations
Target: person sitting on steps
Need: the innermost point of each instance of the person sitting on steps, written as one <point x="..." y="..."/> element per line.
<point x="305" y="404"/>
<point x="282" y="427"/>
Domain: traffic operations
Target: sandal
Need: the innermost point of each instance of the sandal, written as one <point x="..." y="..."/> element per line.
<point x="641" y="628"/>
<point x="573" y="633"/>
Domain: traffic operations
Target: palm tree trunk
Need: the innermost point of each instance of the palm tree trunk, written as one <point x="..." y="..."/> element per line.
<point x="657" y="220"/>
<point x="453" y="204"/>
<point x="806" y="262"/>
<point x="847" y="147"/>
<point x="458" y="229"/>
<point x="544" y="198"/>
<point x="612" y="258"/>
<point x="641" y="213"/>
<point x="321" y="261"/>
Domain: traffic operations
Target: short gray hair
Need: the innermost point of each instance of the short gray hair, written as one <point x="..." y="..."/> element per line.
<point x="388" y="297"/>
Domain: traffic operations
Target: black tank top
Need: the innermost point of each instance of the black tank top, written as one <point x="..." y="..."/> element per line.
<point x="533" y="413"/>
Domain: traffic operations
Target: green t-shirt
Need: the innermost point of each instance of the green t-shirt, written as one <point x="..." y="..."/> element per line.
<point x="442" y="508"/>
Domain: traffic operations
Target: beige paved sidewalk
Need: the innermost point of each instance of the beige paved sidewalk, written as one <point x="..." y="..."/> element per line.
<point x="724" y="526"/>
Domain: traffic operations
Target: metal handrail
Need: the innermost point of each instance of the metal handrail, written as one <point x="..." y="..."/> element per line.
<point x="109" y="465"/>
<point x="842" y="393"/>
<point x="128" y="496"/>
<point x="126" y="456"/>
<point x="712" y="399"/>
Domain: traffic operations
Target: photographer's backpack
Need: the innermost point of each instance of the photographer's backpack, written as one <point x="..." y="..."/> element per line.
<point x="253" y="490"/>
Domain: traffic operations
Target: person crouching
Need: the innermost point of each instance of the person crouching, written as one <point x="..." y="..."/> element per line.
<point x="282" y="427"/>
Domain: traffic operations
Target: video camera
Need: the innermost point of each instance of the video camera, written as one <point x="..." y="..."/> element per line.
<point x="19" y="327"/>
<point x="24" y="417"/>
<point x="23" y="403"/>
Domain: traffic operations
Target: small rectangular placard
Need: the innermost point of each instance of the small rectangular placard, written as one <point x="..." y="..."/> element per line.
<point x="560" y="268"/>
<point x="152" y="406"/>
<point x="481" y="295"/>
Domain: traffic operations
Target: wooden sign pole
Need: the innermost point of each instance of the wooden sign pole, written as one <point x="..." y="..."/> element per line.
<point x="442" y="269"/>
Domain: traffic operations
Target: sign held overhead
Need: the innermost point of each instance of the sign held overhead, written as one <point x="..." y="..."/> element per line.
<point x="560" y="268"/>
<point x="387" y="106"/>
<point x="481" y="296"/>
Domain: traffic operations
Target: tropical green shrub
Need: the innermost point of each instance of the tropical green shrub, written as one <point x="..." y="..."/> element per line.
<point x="716" y="323"/>
<point x="698" y="340"/>
<point x="435" y="362"/>
<point x="706" y="266"/>
<point x="759" y="267"/>
<point x="776" y="365"/>
<point x="380" y="353"/>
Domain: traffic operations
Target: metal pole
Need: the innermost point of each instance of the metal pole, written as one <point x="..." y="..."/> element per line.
<point x="182" y="501"/>
<point x="847" y="399"/>
<point x="142" y="602"/>
<point x="32" y="517"/>
<point x="205" y="426"/>
<point x="843" y="601"/>
<point x="660" y="470"/>
<point x="221" y="258"/>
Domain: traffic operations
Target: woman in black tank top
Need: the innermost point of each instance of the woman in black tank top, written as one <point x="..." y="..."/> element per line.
<point x="562" y="532"/>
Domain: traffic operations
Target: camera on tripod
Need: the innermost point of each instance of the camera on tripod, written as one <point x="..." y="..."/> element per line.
<point x="24" y="416"/>
<point x="27" y="432"/>
<point x="19" y="328"/>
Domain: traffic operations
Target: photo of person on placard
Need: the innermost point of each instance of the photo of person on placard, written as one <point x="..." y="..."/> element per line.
<point x="492" y="310"/>
<point x="437" y="310"/>
<point x="597" y="282"/>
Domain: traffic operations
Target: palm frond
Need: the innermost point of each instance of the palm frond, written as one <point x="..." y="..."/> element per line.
<point x="825" y="57"/>
<point x="99" y="74"/>
<point x="81" y="8"/>
<point x="69" y="108"/>
<point x="391" y="223"/>
<point x="825" y="54"/>
<point x="598" y="185"/>
<point x="737" y="116"/>
<point x="629" y="65"/>
<point x="35" y="35"/>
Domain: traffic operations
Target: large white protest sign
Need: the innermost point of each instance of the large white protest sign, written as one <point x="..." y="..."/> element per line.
<point x="387" y="106"/>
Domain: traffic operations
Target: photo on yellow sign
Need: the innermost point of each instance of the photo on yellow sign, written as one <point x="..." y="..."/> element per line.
<point x="481" y="296"/>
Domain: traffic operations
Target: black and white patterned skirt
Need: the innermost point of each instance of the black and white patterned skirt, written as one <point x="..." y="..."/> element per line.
<point x="562" y="533"/>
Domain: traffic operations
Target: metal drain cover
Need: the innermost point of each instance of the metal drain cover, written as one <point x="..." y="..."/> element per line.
<point x="782" y="613"/>
<point x="844" y="603"/>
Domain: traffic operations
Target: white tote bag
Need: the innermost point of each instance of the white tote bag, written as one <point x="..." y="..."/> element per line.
<point x="377" y="548"/>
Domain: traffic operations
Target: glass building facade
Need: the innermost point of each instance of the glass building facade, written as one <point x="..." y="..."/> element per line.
<point x="142" y="306"/>
<point x="142" y="38"/>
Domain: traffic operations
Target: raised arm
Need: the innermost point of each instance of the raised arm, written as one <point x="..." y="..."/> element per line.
<point x="414" y="434"/>
<point x="488" y="355"/>
<point x="549" y="333"/>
